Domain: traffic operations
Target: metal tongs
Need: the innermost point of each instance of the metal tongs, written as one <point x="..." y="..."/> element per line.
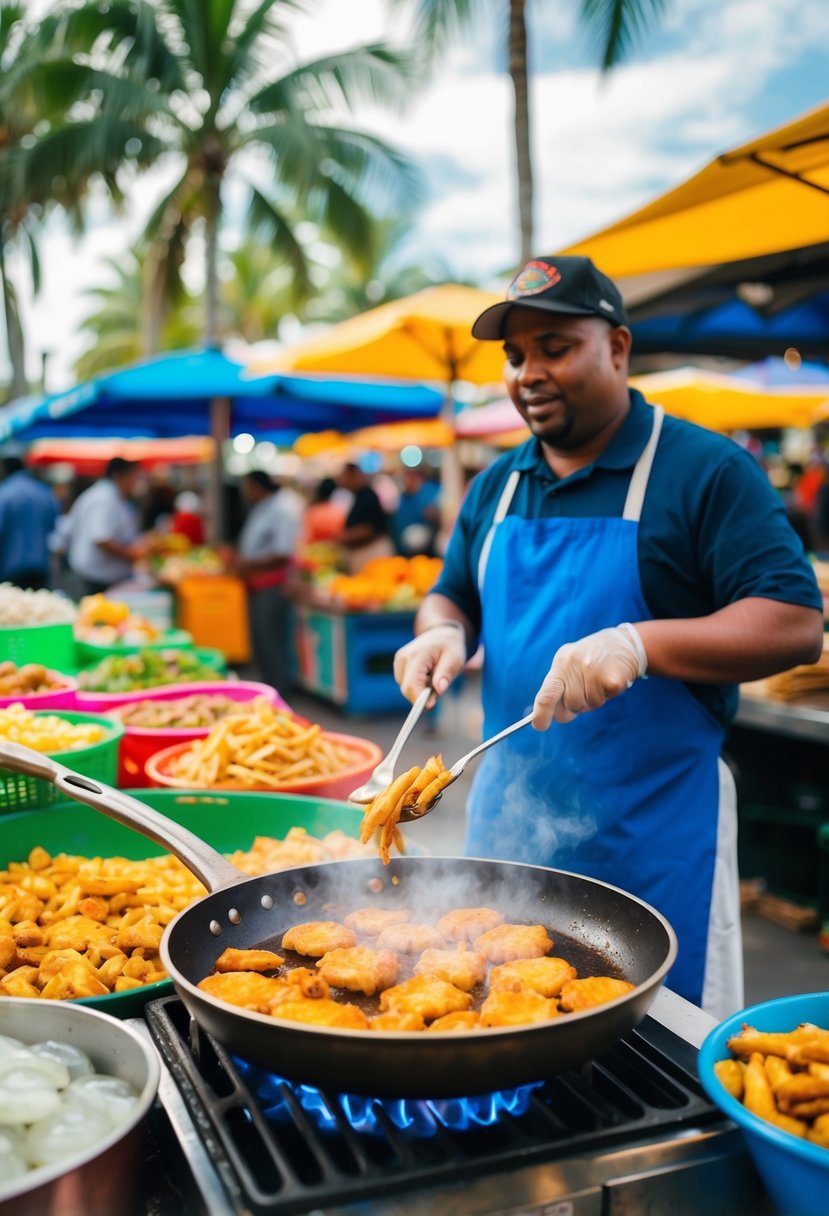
<point x="383" y="775"/>
<point x="410" y="814"/>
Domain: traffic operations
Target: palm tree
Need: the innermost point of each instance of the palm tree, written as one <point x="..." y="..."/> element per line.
<point x="210" y="89"/>
<point x="612" y="25"/>
<point x="116" y="325"/>
<point x="17" y="225"/>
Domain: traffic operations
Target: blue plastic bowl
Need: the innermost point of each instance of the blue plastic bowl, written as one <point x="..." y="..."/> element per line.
<point x="795" y="1172"/>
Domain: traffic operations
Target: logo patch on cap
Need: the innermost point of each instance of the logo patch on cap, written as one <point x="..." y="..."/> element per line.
<point x="533" y="279"/>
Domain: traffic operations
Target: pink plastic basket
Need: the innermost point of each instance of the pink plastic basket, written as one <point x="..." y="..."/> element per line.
<point x="142" y="742"/>
<point x="62" y="697"/>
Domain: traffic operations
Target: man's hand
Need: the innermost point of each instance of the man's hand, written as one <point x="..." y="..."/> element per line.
<point x="587" y="673"/>
<point x="434" y="657"/>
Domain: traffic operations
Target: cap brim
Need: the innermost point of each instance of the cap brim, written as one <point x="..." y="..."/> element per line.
<point x="489" y="326"/>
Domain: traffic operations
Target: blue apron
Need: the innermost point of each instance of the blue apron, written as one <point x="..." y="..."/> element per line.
<point x="627" y="793"/>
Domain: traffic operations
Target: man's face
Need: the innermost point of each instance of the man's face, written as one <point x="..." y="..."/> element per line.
<point x="566" y="375"/>
<point x="129" y="482"/>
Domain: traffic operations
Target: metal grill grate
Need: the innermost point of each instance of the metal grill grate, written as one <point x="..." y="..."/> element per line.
<point x="292" y="1164"/>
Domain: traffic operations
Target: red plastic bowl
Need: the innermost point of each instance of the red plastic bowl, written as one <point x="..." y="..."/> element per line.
<point x="367" y="756"/>
<point x="62" y="697"/>
<point x="141" y="742"/>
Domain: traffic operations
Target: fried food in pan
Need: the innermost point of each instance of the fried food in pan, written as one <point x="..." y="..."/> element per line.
<point x="516" y="1009"/>
<point x="465" y="924"/>
<point x="248" y="960"/>
<point x="462" y="1019"/>
<point x="360" y="969"/>
<point x="577" y="995"/>
<point x="370" y="922"/>
<point x="429" y="997"/>
<point x="324" y="1012"/>
<point x="302" y="981"/>
<point x="398" y="1019"/>
<point x="411" y="939"/>
<point x="244" y="988"/>
<point x="316" y="937"/>
<point x="507" y="943"/>
<point x="546" y="976"/>
<point x="463" y="968"/>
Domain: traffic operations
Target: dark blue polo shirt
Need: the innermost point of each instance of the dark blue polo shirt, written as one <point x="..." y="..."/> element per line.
<point x="712" y="529"/>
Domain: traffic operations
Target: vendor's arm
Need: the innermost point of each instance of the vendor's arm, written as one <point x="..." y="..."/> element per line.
<point x="357" y="535"/>
<point x="127" y="553"/>
<point x="744" y="641"/>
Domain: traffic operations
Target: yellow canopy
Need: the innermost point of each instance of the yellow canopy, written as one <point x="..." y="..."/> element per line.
<point x="389" y="437"/>
<point x="425" y="336"/>
<point x="766" y="196"/>
<point x="728" y="403"/>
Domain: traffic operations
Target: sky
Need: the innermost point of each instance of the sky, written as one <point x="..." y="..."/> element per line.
<point x="713" y="74"/>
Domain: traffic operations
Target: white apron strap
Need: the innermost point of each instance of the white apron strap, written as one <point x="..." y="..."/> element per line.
<point x="639" y="481"/>
<point x="500" y="512"/>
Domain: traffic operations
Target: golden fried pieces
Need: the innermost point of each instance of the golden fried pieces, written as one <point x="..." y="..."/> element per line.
<point x="546" y="976"/>
<point x="243" y="988"/>
<point x="398" y="1020"/>
<point x="316" y="937"/>
<point x="506" y="943"/>
<point x="410" y="939"/>
<point x="516" y="1009"/>
<point x="463" y="968"/>
<point x="360" y="969"/>
<point x="463" y="1019"/>
<point x="248" y="960"/>
<point x="429" y="997"/>
<point x="730" y="1073"/>
<point x="370" y="922"/>
<point x="595" y="990"/>
<point x="302" y="981"/>
<point x="322" y="1013"/>
<point x="465" y="924"/>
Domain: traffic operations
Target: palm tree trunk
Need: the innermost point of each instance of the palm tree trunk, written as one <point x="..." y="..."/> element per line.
<point x="15" y="343"/>
<point x="211" y="267"/>
<point x="517" y="52"/>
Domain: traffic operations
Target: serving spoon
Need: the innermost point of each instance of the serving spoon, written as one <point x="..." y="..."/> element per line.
<point x="410" y="814"/>
<point x="383" y="775"/>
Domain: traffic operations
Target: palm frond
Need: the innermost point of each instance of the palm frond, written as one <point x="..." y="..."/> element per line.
<point x="438" y="22"/>
<point x="266" y="222"/>
<point x="257" y="36"/>
<point x="614" y="25"/>
<point x="129" y="29"/>
<point x="374" y="73"/>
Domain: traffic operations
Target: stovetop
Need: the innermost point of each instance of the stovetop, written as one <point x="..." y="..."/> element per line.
<point x="630" y="1132"/>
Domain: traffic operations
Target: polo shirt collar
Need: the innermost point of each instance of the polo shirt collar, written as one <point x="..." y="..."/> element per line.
<point x="622" y="452"/>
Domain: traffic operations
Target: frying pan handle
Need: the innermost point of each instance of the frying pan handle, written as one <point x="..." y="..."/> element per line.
<point x="209" y="866"/>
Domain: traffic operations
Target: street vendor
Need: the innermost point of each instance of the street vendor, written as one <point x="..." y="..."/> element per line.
<point x="267" y="547"/>
<point x="630" y="564"/>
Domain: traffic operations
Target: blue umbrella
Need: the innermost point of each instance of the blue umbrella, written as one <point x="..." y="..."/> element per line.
<point x="776" y="373"/>
<point x="178" y="394"/>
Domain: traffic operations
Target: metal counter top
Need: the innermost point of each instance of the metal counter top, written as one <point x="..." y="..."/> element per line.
<point x="806" y="719"/>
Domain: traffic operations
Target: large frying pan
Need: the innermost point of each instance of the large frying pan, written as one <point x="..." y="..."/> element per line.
<point x="598" y="927"/>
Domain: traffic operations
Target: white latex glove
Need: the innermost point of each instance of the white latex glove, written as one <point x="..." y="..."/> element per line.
<point x="434" y="657"/>
<point x="587" y="673"/>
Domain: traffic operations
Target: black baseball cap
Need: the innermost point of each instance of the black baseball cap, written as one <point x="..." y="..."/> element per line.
<point x="552" y="283"/>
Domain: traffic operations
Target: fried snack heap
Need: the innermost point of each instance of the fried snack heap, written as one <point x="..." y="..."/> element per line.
<point x="783" y="1078"/>
<point x="88" y="926"/>
<point x="411" y="791"/>
<point x="445" y="989"/>
<point x="260" y="746"/>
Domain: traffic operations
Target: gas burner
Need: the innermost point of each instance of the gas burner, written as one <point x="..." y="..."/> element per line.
<point x="417" y="1117"/>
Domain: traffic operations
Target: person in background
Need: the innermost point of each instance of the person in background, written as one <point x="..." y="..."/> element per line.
<point x="103" y="529"/>
<point x="624" y="571"/>
<point x="28" y="514"/>
<point x="324" y="519"/>
<point x="267" y="545"/>
<point x="416" y="521"/>
<point x="187" y="517"/>
<point x="366" y="531"/>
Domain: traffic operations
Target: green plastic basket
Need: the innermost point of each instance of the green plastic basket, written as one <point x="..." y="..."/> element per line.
<point x="99" y="761"/>
<point x="173" y="639"/>
<point x="51" y="645"/>
<point x="227" y="822"/>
